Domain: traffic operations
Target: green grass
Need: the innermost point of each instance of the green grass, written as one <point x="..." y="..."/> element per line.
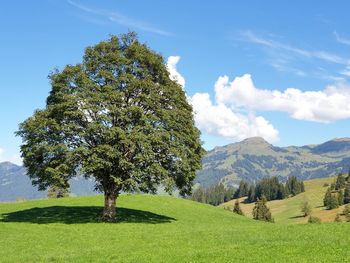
<point x="158" y="229"/>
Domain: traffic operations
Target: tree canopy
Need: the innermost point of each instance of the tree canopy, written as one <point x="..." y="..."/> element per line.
<point x="117" y="117"/>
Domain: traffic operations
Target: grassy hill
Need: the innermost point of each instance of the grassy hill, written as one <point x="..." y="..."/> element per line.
<point x="158" y="229"/>
<point x="288" y="210"/>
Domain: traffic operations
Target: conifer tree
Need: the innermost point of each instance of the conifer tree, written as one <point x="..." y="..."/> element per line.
<point x="334" y="203"/>
<point x="327" y="197"/>
<point x="341" y="197"/>
<point x="251" y="194"/>
<point x="340" y="182"/>
<point x="261" y="211"/>
<point x="242" y="190"/>
<point x="347" y="192"/>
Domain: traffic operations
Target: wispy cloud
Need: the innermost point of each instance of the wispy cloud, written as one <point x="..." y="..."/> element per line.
<point x="342" y="40"/>
<point x="284" y="67"/>
<point x="315" y="54"/>
<point x="118" y="18"/>
<point x="299" y="61"/>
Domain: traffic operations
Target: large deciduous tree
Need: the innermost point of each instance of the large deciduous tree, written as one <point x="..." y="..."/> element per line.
<point x="117" y="117"/>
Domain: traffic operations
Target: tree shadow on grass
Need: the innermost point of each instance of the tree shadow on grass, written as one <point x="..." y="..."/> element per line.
<point x="81" y="215"/>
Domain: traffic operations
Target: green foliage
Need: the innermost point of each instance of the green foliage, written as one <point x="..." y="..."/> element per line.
<point x="347" y="192"/>
<point x="199" y="195"/>
<point x="332" y="187"/>
<point x="340" y="197"/>
<point x="237" y="209"/>
<point x="334" y="202"/>
<point x="261" y="211"/>
<point x="242" y="190"/>
<point x="327" y="197"/>
<point x="57" y="192"/>
<point x="335" y="196"/>
<point x="251" y="194"/>
<point x="294" y="186"/>
<point x="213" y="195"/>
<point x="340" y="182"/>
<point x="272" y="189"/>
<point x="116" y="117"/>
<point x="306" y="208"/>
<point x="314" y="220"/>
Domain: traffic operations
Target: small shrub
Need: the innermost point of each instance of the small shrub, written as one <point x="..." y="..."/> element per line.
<point x="57" y="192"/>
<point x="346" y="212"/>
<point x="306" y="208"/>
<point x="338" y="219"/>
<point x="314" y="220"/>
<point x="325" y="184"/>
<point x="237" y="209"/>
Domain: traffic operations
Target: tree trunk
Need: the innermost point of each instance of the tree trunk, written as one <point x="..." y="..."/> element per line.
<point x="109" y="210"/>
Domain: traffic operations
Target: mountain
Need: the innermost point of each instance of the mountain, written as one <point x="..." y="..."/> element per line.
<point x="250" y="160"/>
<point x="14" y="183"/>
<point x="255" y="158"/>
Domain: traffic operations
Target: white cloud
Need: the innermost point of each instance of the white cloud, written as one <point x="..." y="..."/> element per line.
<point x="218" y="119"/>
<point x="330" y="104"/>
<point x="174" y="74"/>
<point x="227" y="116"/>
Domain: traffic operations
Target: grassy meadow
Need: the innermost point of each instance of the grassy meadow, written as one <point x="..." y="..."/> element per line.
<point x="288" y="210"/>
<point x="159" y="229"/>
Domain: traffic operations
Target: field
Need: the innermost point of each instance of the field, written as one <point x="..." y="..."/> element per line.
<point x="158" y="229"/>
<point x="288" y="210"/>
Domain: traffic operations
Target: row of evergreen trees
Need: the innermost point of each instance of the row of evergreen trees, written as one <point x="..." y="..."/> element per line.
<point x="338" y="193"/>
<point x="270" y="188"/>
<point x="213" y="195"/>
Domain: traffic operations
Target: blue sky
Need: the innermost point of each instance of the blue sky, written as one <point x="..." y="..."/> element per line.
<point x="251" y="68"/>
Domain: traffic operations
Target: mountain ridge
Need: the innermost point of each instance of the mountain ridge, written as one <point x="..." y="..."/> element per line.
<point x="255" y="158"/>
<point x="249" y="160"/>
<point x="15" y="184"/>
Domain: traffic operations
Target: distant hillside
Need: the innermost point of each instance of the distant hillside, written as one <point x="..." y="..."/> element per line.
<point x="254" y="158"/>
<point x="251" y="160"/>
<point x="14" y="183"/>
<point x="288" y="210"/>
